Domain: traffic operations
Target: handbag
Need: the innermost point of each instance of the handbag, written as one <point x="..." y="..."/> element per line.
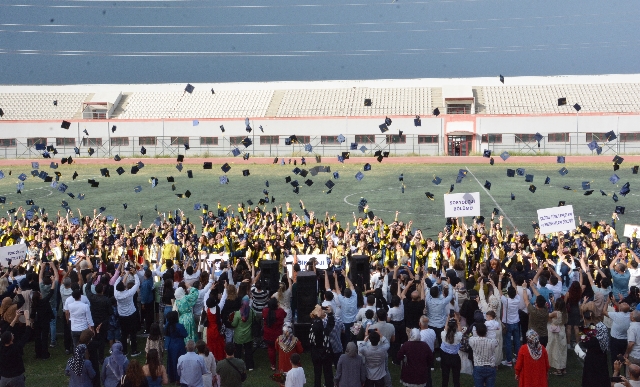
<point x="554" y="328"/>
<point x="243" y="375"/>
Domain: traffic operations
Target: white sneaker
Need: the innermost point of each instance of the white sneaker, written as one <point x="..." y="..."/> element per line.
<point x="506" y="363"/>
<point x="437" y="359"/>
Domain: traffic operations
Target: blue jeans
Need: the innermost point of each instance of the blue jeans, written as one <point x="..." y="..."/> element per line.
<point x="52" y="326"/>
<point x="484" y="376"/>
<point x="512" y="330"/>
<point x="166" y="311"/>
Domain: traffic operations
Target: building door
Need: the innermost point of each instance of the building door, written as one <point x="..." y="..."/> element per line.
<point x="459" y="145"/>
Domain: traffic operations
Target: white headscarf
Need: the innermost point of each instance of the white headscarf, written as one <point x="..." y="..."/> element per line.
<point x="179" y="293"/>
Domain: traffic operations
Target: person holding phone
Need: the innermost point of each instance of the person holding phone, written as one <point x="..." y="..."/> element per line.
<point x="620" y="381"/>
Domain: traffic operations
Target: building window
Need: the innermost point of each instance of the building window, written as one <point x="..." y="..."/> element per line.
<point x="236" y="140"/>
<point x="147" y="141"/>
<point x="596" y="137"/>
<point x="396" y="139"/>
<point x="492" y="138"/>
<point x="329" y="140"/>
<point x="7" y="142"/>
<point x="179" y="140"/>
<point x="424" y="139"/>
<point x="91" y="141"/>
<point x="208" y="140"/>
<point x="65" y="141"/>
<point x="269" y="140"/>
<point x="558" y="137"/>
<point x="366" y="138"/>
<point x="525" y="137"/>
<point x="304" y="139"/>
<point x="36" y="140"/>
<point x="119" y="141"/>
<point x="630" y="137"/>
<point x="458" y="108"/>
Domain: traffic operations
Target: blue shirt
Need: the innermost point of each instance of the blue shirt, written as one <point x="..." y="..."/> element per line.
<point x="436" y="309"/>
<point x="191" y="368"/>
<point x="545" y="292"/>
<point x="146" y="291"/>
<point x="620" y="283"/>
<point x="349" y="307"/>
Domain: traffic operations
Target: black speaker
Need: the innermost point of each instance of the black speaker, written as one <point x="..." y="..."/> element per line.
<point x="306" y="295"/>
<point x="359" y="271"/>
<point x="301" y="331"/>
<point x="269" y="275"/>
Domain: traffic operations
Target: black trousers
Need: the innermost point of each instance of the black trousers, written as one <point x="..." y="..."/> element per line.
<point x="323" y="366"/>
<point x="147" y="315"/>
<point x="68" y="341"/>
<point x="101" y="340"/>
<point x="524" y="324"/>
<point x="451" y="363"/>
<point x="617" y="347"/>
<point x="41" y="341"/>
<point x="245" y="349"/>
<point x="129" y="328"/>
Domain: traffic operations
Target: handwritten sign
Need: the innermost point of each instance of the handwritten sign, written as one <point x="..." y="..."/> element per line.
<point x="13" y="255"/>
<point x="462" y="204"/>
<point x="628" y="230"/>
<point x="556" y="219"/>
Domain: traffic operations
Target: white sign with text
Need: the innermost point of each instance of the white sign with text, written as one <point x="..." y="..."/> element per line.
<point x="13" y="255"/>
<point x="556" y="219"/>
<point x="458" y="205"/>
<point x="629" y="229"/>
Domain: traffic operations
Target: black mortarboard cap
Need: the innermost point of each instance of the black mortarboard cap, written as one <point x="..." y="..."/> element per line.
<point x="91" y="151"/>
<point x="53" y="165"/>
<point x="561" y="203"/>
<point x="367" y="167"/>
<point x="22" y="177"/>
<point x="222" y="128"/>
<point x="562" y="101"/>
<point x="532" y="188"/>
<point x="186" y="146"/>
<point x="224" y="179"/>
<point x="563" y="171"/>
<point x="547" y="180"/>
<point x="190" y="174"/>
<point x="189" y="88"/>
<point x="520" y="171"/>
<point x="504" y="155"/>
<point x="587" y="193"/>
<point x="567" y="188"/>
<point x="245" y="172"/>
<point x="30" y="202"/>
<point x="603" y="193"/>
<point x="95" y="184"/>
<point x="143" y="150"/>
<point x="225" y="168"/>
<point x="329" y="184"/>
<point x="429" y="195"/>
<point x="359" y="176"/>
<point x="577" y="107"/>
<point x="511" y="173"/>
<point x="486" y="153"/>
<point x="379" y="158"/>
<point x="529" y="178"/>
<point x="346" y="155"/>
<point x="120" y="170"/>
<point x="48" y="179"/>
<point x="610" y="136"/>
<point x="367" y="102"/>
<point x="40" y="147"/>
<point x="235" y="152"/>
<point x="436" y="112"/>
<point x="187" y="193"/>
<point x="76" y="150"/>
<point x="614" y="179"/>
<point x="625" y="189"/>
<point x="615" y="198"/>
<point x="65" y="125"/>
<point x="501" y="79"/>
<point x="207" y="165"/>
<point x="385" y="154"/>
<point x="538" y="137"/>
<point x="296" y="170"/>
<point x="560" y="160"/>
<point x="104" y="172"/>
<point x="247" y="142"/>
<point x="180" y="158"/>
<point x="618" y="160"/>
<point x="383" y="128"/>
<point x="3" y="199"/>
<point x="491" y="161"/>
<point x="170" y="179"/>
<point x="487" y="184"/>
<point x="309" y="182"/>
<point x="616" y="167"/>
<point x="417" y="121"/>
<point x="513" y="197"/>
<point x="401" y="177"/>
<point x="287" y="179"/>
<point x="619" y="210"/>
<point x="304" y="173"/>
<point x="134" y="169"/>
<point x="586" y="185"/>
<point x="295" y="183"/>
<point x="437" y="180"/>
<point x="117" y="158"/>
<point x="459" y="179"/>
<point x="592" y="145"/>
<point x="179" y="167"/>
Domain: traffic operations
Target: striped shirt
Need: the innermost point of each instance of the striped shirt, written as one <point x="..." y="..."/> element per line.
<point x="259" y="299"/>
<point x="484" y="351"/>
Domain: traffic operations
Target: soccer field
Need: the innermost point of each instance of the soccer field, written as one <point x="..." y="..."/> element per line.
<point x="380" y="187"/>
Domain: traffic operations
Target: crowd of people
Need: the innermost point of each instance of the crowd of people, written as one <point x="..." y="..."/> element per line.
<point x="474" y="298"/>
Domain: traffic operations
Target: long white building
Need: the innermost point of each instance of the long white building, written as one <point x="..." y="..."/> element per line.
<point x="474" y="114"/>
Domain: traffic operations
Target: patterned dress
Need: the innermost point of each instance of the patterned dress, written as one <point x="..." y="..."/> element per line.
<point x="185" y="309"/>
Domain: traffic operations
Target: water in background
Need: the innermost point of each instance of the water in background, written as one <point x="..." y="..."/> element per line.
<point x="88" y="41"/>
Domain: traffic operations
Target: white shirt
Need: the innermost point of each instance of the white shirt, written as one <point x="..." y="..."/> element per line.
<point x="396" y="313"/>
<point x="190" y="279"/>
<point x="510" y="308"/>
<point x="429" y="337"/>
<point x="79" y="316"/>
<point x="556" y="289"/>
<point x="493" y="326"/>
<point x="125" y="298"/>
<point x="295" y="378"/>
<point x="634" y="280"/>
<point x="360" y="317"/>
<point x="520" y="290"/>
<point x="70" y="299"/>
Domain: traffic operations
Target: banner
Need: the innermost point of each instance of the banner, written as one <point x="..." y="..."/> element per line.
<point x="628" y="230"/>
<point x="13" y="255"/>
<point x="323" y="262"/>
<point x="556" y="219"/>
<point x="459" y="205"/>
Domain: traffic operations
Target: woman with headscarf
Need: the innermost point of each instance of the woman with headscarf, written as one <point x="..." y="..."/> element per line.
<point x="273" y="317"/>
<point x="286" y="345"/>
<point x="215" y="340"/>
<point x="417" y="359"/>
<point x="595" y="371"/>
<point x="184" y="305"/>
<point x="174" y="333"/>
<point x="532" y="365"/>
<point x="79" y="368"/>
<point x="114" y="367"/>
<point x="351" y="371"/>
<point x="242" y="338"/>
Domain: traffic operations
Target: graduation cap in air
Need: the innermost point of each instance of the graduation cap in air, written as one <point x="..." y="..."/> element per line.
<point x="634" y="170"/>
<point x="511" y="173"/>
<point x="143" y="150"/>
<point x="336" y="175"/>
<point x="304" y="173"/>
<point x="66" y="125"/>
<point x="245" y="156"/>
<point x="417" y="121"/>
<point x="287" y="179"/>
<point x="190" y="174"/>
<point x="528" y="178"/>
<point x="329" y="184"/>
<point x="592" y="145"/>
<point x="588" y="192"/>
<point x="504" y="155"/>
<point x="134" y="169"/>
<point x="501" y="79"/>
<point x="179" y="167"/>
<point x="618" y="160"/>
<point x="562" y="101"/>
<point x="625" y="189"/>
<point x="85" y="132"/>
<point x="616" y="167"/>
<point x="307" y="147"/>
<point x="513" y="197"/>
<point x="34" y="173"/>
<point x="560" y="160"/>
<point x="3" y="200"/>
<point x="586" y="185"/>
<point x="487" y="184"/>
<point x="309" y="182"/>
<point x="35" y="165"/>
<point x="387" y="121"/>
<point x="563" y="171"/>
<point x="187" y="193"/>
<point x="615" y="197"/>
<point x="154" y="182"/>
<point x="95" y="184"/>
<point x="341" y="158"/>
<point x="189" y="88"/>
<point x="225" y="168"/>
<point x="117" y="158"/>
<point x="46" y="155"/>
<point x="599" y="150"/>
<point x="40" y="147"/>
<point x="437" y="180"/>
<point x="491" y="161"/>
<point x="295" y="183"/>
<point x="566" y="187"/>
<point x="104" y="172"/>
<point x="235" y="152"/>
<point x="170" y="179"/>
<point x="247" y="142"/>
<point x="222" y="128"/>
<point x="614" y="179"/>
<point x="30" y="202"/>
<point x="341" y="138"/>
<point x="359" y="176"/>
<point x="318" y="158"/>
<point x="367" y="167"/>
<point x="296" y="170"/>
<point x="451" y="188"/>
<point x="619" y="210"/>
<point x="429" y="195"/>
<point x="91" y="151"/>
<point x="603" y="193"/>
<point x="354" y="146"/>
<point x="486" y="153"/>
<point x="207" y="165"/>
<point x="245" y="172"/>
<point x="520" y="171"/>
<point x="224" y="179"/>
<point x="436" y="112"/>
<point x="459" y="179"/>
<point x="610" y="136"/>
<point x="62" y="188"/>
<point x="22" y="177"/>
<point x="180" y="158"/>
<point x="124" y="205"/>
<point x="577" y="107"/>
<point x="383" y="128"/>
<point x="532" y="188"/>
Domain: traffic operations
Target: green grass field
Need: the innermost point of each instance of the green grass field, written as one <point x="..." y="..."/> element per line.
<point x="380" y="187"/>
<point x="51" y="372"/>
